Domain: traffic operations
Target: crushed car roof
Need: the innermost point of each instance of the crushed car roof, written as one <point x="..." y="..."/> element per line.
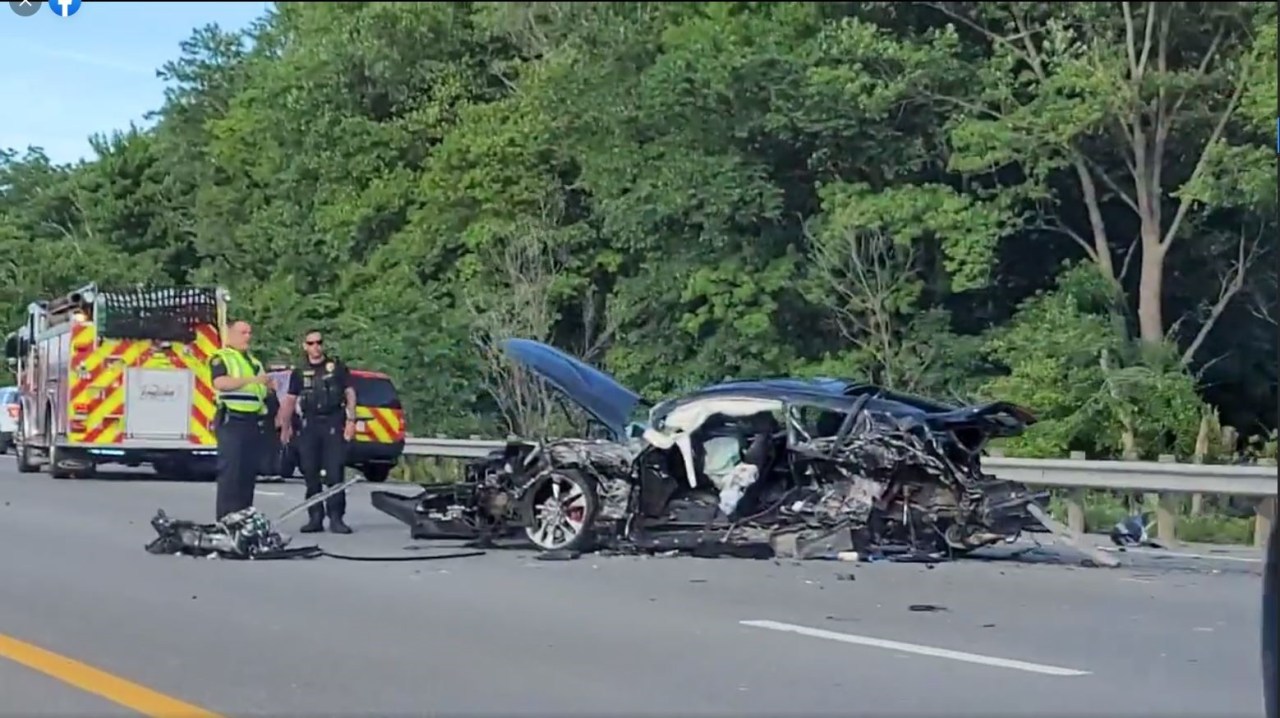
<point x="834" y="393"/>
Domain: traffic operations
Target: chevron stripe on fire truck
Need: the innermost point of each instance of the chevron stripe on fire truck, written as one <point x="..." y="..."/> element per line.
<point x="96" y="409"/>
<point x="380" y="426"/>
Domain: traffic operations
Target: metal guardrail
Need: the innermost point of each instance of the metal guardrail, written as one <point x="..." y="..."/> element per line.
<point x="451" y="448"/>
<point x="1160" y="478"/>
<point x="1152" y="476"/>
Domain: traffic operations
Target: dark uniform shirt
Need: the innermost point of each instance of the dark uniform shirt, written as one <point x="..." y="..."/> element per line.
<point x="320" y="387"/>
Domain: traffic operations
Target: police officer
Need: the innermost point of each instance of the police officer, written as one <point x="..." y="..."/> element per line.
<point x="321" y="389"/>
<point x="242" y="388"/>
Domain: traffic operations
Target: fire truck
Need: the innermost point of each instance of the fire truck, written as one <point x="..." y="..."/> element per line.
<point x="118" y="376"/>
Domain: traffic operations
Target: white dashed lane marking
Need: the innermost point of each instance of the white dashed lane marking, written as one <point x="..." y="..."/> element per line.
<point x="901" y="647"/>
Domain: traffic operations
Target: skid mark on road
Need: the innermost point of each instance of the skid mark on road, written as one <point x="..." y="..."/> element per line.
<point x="916" y="649"/>
<point x="98" y="682"/>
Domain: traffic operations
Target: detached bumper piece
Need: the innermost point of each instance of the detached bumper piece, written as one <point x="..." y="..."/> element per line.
<point x="424" y="519"/>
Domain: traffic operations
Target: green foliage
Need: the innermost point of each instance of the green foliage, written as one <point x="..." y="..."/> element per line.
<point x="1092" y="387"/>
<point x="689" y="192"/>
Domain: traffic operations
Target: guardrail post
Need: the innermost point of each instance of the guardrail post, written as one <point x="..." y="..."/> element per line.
<point x="437" y="464"/>
<point x="1202" y="448"/>
<point x="1262" y="521"/>
<point x="1166" y="507"/>
<point x="1265" y="516"/>
<point x="1074" y="500"/>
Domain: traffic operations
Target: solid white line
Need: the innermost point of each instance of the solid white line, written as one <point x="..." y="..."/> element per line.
<point x="1176" y="554"/>
<point x="917" y="649"/>
<point x="270" y="493"/>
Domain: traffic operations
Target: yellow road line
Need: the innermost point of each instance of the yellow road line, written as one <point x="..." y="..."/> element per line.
<point x="92" y="680"/>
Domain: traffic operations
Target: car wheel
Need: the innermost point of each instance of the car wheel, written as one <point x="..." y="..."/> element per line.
<point x="562" y="512"/>
<point x="377" y="473"/>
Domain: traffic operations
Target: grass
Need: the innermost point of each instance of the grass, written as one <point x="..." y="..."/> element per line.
<point x="427" y="470"/>
<point x="1220" y="525"/>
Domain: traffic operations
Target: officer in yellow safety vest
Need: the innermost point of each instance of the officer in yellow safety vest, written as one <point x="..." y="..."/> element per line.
<point x="242" y="387"/>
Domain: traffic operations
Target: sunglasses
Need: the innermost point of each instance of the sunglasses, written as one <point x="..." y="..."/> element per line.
<point x="314" y="342"/>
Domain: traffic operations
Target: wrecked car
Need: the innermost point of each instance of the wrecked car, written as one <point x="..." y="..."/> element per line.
<point x="791" y="467"/>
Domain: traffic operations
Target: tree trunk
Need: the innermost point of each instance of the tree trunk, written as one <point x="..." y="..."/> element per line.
<point x="1151" y="291"/>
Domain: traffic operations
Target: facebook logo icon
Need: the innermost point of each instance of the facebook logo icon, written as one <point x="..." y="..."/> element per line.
<point x="64" y="8"/>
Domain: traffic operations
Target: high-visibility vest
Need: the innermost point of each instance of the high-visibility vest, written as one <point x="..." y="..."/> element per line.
<point x="248" y="399"/>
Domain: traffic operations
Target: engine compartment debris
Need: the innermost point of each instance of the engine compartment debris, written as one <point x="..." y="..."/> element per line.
<point x="246" y="534"/>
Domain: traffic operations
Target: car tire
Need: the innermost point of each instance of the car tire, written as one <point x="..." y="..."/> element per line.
<point x="541" y="495"/>
<point x="376" y="473"/>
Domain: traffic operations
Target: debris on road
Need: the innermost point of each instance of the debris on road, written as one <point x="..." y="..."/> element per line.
<point x="1134" y="531"/>
<point x="925" y="608"/>
<point x="246" y="534"/>
<point x="560" y="555"/>
<point x="250" y="535"/>
<point x="1073" y="539"/>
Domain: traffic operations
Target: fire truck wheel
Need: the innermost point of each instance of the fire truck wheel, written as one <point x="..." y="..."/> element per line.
<point x="61" y="472"/>
<point x="56" y="471"/>
<point x="26" y="457"/>
<point x="26" y="460"/>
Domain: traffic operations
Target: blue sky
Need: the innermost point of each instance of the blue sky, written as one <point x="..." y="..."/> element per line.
<point x="64" y="79"/>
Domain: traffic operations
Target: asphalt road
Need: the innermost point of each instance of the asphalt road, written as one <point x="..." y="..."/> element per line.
<point x="503" y="634"/>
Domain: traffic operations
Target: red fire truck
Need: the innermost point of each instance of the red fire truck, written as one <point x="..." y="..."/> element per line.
<point x="118" y="376"/>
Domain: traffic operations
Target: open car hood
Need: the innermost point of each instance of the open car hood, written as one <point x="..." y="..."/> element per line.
<point x="597" y="393"/>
